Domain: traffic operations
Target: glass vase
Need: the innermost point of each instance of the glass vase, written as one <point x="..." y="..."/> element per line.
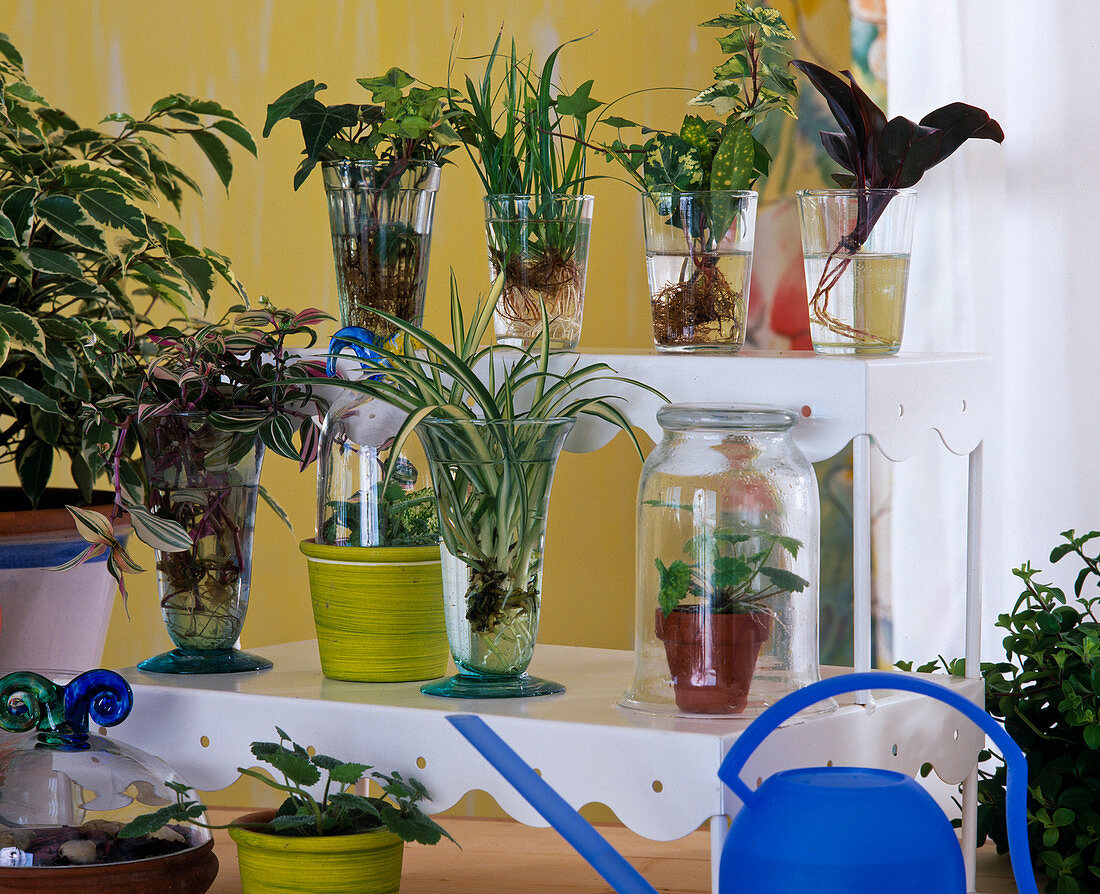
<point x="857" y="245"/>
<point x="727" y="564"/>
<point x="492" y="483"/>
<point x="698" y="249"/>
<point x="207" y="480"/>
<point x="539" y="244"/>
<point x="381" y="222"/>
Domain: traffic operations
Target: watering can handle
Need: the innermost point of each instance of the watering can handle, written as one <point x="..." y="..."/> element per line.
<point x="788" y="706"/>
<point x="358" y="339"/>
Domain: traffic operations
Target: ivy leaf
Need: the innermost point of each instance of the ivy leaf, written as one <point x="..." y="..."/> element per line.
<point x="288" y="103"/>
<point x="388" y="87"/>
<point x="578" y="104"/>
<point x="617" y="122"/>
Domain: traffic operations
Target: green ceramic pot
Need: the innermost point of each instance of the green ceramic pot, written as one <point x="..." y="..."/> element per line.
<point x="378" y="611"/>
<point x="367" y="863"/>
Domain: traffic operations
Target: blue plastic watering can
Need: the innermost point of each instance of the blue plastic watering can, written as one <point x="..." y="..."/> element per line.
<point x="826" y="830"/>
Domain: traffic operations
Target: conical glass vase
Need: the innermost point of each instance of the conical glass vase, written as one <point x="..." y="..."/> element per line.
<point x="208" y="481"/>
<point x="492" y="481"/>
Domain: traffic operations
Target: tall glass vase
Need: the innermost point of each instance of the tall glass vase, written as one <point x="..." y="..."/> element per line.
<point x="208" y="481"/>
<point x="492" y="483"/>
<point x="381" y="221"/>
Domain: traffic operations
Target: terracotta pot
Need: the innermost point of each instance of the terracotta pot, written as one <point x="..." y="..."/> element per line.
<point x="187" y="872"/>
<point x="51" y="622"/>
<point x="365" y="863"/>
<point x="712" y="657"/>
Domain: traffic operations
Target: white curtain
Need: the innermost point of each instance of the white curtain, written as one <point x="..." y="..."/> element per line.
<point x="1005" y="261"/>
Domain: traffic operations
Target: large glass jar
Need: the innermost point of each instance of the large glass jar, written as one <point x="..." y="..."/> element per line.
<point x="727" y="563"/>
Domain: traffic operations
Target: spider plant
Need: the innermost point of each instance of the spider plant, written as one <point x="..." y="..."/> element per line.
<point x="528" y="142"/>
<point x="492" y="490"/>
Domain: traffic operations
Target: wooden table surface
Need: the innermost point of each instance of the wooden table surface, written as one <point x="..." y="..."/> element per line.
<point x="500" y="855"/>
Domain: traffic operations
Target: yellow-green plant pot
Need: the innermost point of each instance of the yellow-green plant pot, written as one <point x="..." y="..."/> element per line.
<point x="378" y="611"/>
<point x="367" y="863"/>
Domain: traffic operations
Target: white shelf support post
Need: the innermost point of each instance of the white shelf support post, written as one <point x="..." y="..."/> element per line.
<point x="861" y="564"/>
<point x="973" y="649"/>
<point x="719" y="828"/>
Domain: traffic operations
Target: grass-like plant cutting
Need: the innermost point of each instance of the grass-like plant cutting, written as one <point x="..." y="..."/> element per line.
<point x="1047" y="693"/>
<point x="528" y="143"/>
<point x="700" y="292"/>
<point x="338" y="811"/>
<point x="879" y="156"/>
<point x="490" y="498"/>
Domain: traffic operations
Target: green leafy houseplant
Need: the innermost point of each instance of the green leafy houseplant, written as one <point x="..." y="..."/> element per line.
<point x="84" y="257"/>
<point x="699" y="286"/>
<point x="408" y="518"/>
<point x="491" y="494"/>
<point x="200" y="396"/>
<point x="879" y="156"/>
<point x="731" y="574"/>
<point x="528" y="142"/>
<point x="1047" y="693"/>
<point x="381" y="162"/>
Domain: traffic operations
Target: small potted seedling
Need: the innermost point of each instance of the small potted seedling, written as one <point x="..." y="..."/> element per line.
<point x="339" y="841"/>
<point x="716" y="610"/>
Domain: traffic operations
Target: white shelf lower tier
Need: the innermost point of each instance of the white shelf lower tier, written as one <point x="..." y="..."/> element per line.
<point x="657" y="773"/>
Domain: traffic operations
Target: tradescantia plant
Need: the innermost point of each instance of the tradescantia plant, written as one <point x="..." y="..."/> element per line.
<point x="880" y="154"/>
<point x="204" y="389"/>
<point x="488" y="513"/>
<point x="84" y="256"/>
<point x="339" y="811"/>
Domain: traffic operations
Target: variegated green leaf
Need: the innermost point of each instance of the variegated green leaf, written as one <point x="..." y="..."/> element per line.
<point x="24" y="393"/>
<point x="24" y="329"/>
<point x="65" y="217"/>
<point x="164" y="534"/>
<point x="92" y="526"/>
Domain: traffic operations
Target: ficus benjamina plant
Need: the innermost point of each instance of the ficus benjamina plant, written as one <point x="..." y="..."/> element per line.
<point x="1047" y="693"/>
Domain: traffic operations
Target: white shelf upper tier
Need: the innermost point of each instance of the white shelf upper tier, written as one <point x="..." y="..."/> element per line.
<point x="895" y="399"/>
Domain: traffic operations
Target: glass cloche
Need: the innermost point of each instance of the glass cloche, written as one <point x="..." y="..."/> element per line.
<point x="59" y="783"/>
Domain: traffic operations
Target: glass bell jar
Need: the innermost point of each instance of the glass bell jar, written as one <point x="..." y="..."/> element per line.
<point x="65" y="793"/>
<point x="727" y="564"/>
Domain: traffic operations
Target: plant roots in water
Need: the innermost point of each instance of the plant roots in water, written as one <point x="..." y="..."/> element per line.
<point x="549" y="278"/>
<point x="704" y="309"/>
<point x="379" y="272"/>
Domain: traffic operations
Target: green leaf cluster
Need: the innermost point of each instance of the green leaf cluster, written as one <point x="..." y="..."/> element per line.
<point x="83" y="257"/>
<point x="338" y="811"/>
<point x="722" y="152"/>
<point x="731" y="570"/>
<point x="1047" y="693"/>
<point x="405" y="518"/>
<point x="407" y="121"/>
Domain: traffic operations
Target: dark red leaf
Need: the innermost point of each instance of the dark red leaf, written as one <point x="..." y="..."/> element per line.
<point x="959" y="123"/>
<point x="906" y="150"/>
<point x="838" y="149"/>
<point x="839" y="97"/>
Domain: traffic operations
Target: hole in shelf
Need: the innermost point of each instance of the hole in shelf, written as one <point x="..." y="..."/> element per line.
<point x="759" y="781"/>
<point x="658" y="786"/>
<point x="955" y="737"/>
<point x="807" y="412"/>
<point x="421" y="763"/>
<point x="103" y="730"/>
<point x="964" y="406"/>
<point x="204" y="741"/>
<point x="311" y="751"/>
<point x="901" y="410"/>
<point x="538" y="772"/>
<point x="894" y="751"/>
<point x="828" y="763"/>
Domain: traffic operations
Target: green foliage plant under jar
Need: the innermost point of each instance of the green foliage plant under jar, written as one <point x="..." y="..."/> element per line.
<point x="727" y="563"/>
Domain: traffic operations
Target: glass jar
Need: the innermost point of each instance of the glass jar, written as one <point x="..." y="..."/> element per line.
<point x="727" y="563"/>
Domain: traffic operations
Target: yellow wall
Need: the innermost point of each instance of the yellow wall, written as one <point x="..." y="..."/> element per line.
<point x="96" y="57"/>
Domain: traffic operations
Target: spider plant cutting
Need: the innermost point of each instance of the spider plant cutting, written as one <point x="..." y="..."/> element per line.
<point x="492" y="422"/>
<point x="527" y="140"/>
<point x="380" y="162"/>
<point x="202" y="401"/>
<point x="699" y="214"/>
<point x="882" y="159"/>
